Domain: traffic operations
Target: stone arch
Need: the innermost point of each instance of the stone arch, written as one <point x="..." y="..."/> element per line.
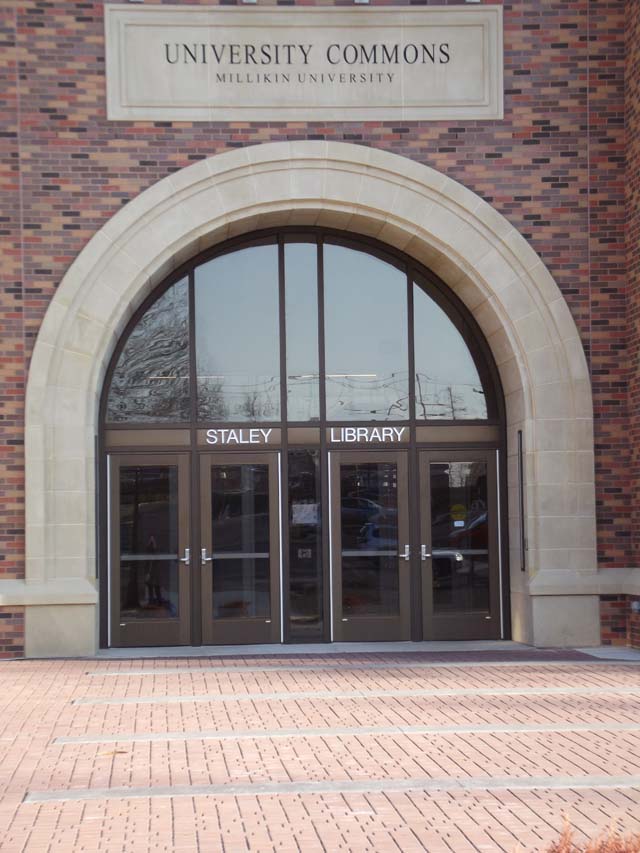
<point x="445" y="226"/>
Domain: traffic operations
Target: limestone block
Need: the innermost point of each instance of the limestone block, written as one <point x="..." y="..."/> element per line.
<point x="61" y="630"/>
<point x="566" y="620"/>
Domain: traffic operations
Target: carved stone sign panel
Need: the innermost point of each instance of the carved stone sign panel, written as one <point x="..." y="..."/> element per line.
<point x="190" y="63"/>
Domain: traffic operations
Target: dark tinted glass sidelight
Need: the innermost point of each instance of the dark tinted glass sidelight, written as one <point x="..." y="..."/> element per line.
<point x="448" y="386"/>
<point x="240" y="541"/>
<point x="305" y="545"/>
<point x="150" y="382"/>
<point x="366" y="353"/>
<point x="237" y="336"/>
<point x="149" y="542"/>
<point x="301" y="288"/>
<point x="459" y="536"/>
<point x="369" y="547"/>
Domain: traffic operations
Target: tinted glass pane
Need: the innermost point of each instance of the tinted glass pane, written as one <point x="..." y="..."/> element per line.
<point x="369" y="526"/>
<point x="305" y="544"/>
<point x="237" y="336"/>
<point x="149" y="542"/>
<point x="460" y="536"/>
<point x="301" y="288"/>
<point x="448" y="386"/>
<point x="240" y="537"/>
<point x="365" y="337"/>
<point x="151" y="379"/>
<point x="241" y="588"/>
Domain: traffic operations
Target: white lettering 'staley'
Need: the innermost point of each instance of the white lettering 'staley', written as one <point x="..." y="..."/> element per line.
<point x="238" y="436"/>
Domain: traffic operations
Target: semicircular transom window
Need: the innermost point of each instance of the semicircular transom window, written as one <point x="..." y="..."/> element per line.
<point x="300" y="328"/>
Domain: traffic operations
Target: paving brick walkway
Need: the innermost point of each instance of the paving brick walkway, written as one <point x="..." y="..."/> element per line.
<point x="362" y="752"/>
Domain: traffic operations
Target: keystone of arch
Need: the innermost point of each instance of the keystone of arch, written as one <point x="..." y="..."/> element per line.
<point x="422" y="212"/>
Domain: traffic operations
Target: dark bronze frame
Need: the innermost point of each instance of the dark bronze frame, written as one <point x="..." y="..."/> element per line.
<point x="455" y="625"/>
<point x="153" y="632"/>
<point x="424" y="435"/>
<point x="234" y="631"/>
<point x="360" y="628"/>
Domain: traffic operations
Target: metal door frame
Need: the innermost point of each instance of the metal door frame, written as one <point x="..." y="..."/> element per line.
<point x="461" y="625"/>
<point x="375" y="628"/>
<point x="151" y="632"/>
<point x="241" y="631"/>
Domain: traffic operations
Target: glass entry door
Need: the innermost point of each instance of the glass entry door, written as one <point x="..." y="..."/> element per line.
<point x="370" y="554"/>
<point x="459" y="549"/>
<point x="149" y="550"/>
<point x="240" y="548"/>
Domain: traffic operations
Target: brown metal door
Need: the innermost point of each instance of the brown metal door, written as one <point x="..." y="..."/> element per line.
<point x="240" y="554"/>
<point x="459" y="548"/>
<point x="370" y="553"/>
<point x="150" y="557"/>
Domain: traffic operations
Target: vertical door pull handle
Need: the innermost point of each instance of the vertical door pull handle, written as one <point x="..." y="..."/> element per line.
<point x="203" y="557"/>
<point x="407" y="553"/>
<point x="424" y="554"/>
<point x="187" y="557"/>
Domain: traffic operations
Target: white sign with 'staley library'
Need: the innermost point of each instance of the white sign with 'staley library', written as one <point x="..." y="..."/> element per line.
<point x="336" y="435"/>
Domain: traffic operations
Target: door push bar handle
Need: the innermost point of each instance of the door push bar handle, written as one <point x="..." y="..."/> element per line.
<point x="203" y="557"/>
<point x="187" y="557"/>
<point x="424" y="554"/>
<point x="407" y="553"/>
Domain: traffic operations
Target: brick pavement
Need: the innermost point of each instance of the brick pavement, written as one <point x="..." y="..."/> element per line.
<point x="350" y="752"/>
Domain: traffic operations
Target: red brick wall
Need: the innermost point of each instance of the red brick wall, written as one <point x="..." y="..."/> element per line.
<point x="12" y="366"/>
<point x="11" y="632"/>
<point x="614" y="610"/>
<point x="633" y="253"/>
<point x="633" y="628"/>
<point x="555" y="167"/>
<point x="619" y="623"/>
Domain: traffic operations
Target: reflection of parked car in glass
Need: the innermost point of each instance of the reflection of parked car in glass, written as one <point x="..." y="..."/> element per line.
<point x="355" y="510"/>
<point x="445" y="533"/>
<point x="378" y="536"/>
<point x="354" y="513"/>
<point x="473" y="535"/>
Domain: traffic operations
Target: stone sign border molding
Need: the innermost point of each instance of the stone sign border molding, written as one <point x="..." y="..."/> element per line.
<point x="422" y="212"/>
<point x="141" y="88"/>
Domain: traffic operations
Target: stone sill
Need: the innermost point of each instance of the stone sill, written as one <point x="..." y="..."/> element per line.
<point x="15" y="593"/>
<point x="58" y="591"/>
<point x="603" y="582"/>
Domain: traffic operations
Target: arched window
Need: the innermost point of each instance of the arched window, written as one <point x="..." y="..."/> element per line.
<point x="303" y="415"/>
<point x="301" y="327"/>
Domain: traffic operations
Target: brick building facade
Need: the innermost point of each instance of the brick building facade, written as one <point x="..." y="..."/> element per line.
<point x="562" y="167"/>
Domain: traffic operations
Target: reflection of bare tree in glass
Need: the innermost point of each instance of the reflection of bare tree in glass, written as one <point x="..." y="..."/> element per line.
<point x="251" y="406"/>
<point x="421" y="406"/>
<point x="211" y="400"/>
<point x="459" y="474"/>
<point x="361" y="397"/>
<point x="238" y="398"/>
<point x="457" y="407"/>
<point x="151" y="379"/>
<point x="399" y="409"/>
<point x="448" y="402"/>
